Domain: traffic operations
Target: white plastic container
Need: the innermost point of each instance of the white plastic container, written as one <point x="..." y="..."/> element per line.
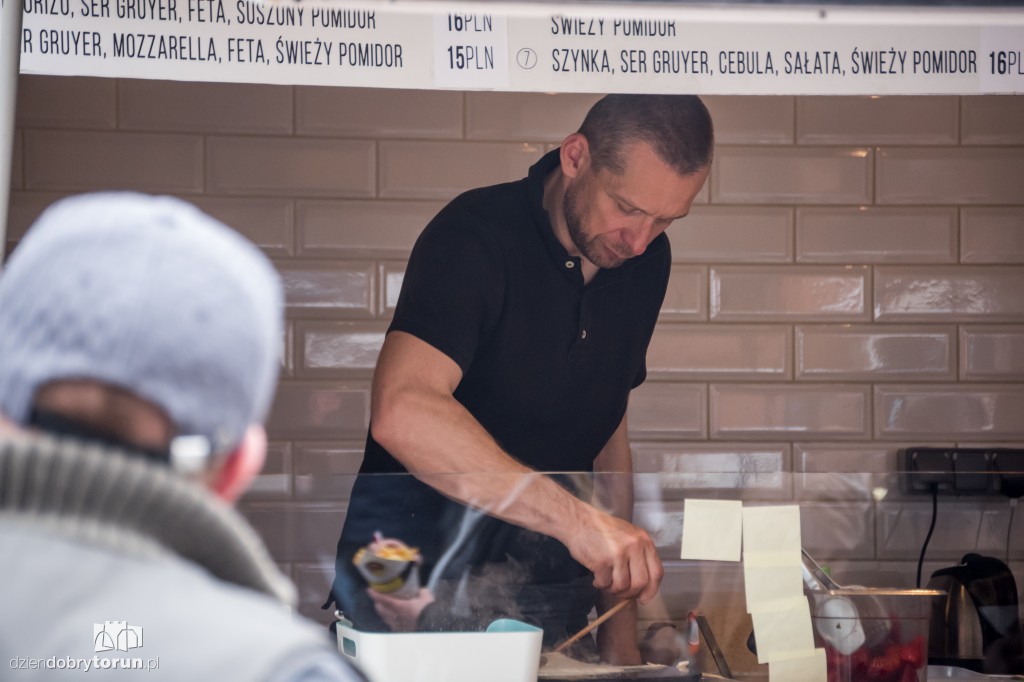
<point x="509" y="651"/>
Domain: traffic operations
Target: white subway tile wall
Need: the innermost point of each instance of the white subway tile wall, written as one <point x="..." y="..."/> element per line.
<point x="72" y="160"/>
<point x="877" y="120"/>
<point x="850" y="283"/>
<point x="868" y="234"/>
<point x="228" y="108"/>
<point x="290" y="166"/>
<point x="374" y="113"/>
<point x="992" y="235"/>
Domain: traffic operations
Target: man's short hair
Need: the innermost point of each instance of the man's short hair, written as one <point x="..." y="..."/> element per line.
<point x="677" y="127"/>
<point x="150" y="295"/>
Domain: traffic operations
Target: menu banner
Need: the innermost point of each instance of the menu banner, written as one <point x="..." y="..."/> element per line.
<point x="534" y="47"/>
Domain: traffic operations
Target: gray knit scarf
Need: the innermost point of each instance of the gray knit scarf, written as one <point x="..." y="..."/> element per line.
<point x="106" y="497"/>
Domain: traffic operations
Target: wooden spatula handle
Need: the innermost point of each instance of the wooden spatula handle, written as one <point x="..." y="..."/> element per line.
<point x="597" y="621"/>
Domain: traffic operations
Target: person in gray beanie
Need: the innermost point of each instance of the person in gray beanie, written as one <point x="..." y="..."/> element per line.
<point x="139" y="352"/>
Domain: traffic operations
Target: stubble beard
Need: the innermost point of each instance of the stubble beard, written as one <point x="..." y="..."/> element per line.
<point x="589" y="247"/>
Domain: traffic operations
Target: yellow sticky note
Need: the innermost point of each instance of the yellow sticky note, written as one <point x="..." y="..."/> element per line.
<point x="785" y="632"/>
<point x="712" y="530"/>
<point x="804" y="669"/>
<point x="771" y="535"/>
<point x="766" y="586"/>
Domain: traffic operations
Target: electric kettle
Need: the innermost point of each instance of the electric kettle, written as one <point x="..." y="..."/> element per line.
<point x="976" y="624"/>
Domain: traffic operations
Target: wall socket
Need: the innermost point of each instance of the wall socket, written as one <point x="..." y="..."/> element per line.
<point x="963" y="471"/>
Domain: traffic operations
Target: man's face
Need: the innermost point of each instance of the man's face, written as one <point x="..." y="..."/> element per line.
<point x="612" y="218"/>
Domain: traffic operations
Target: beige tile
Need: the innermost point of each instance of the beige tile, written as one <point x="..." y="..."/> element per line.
<point x="796" y="293"/>
<point x="962" y="411"/>
<point x="935" y="175"/>
<point x="25" y="208"/>
<point x="960" y="527"/>
<point x="875" y="353"/>
<point x="733" y="234"/>
<point x="877" y="120"/>
<point x="390" y="275"/>
<point x="745" y="411"/>
<point x="992" y="235"/>
<point x="830" y="471"/>
<point x="844" y="530"/>
<point x="155" y="162"/>
<point x="708" y="351"/>
<point x="327" y="289"/>
<point x="67" y="102"/>
<point x="992" y="353"/>
<point x="949" y="294"/>
<point x="741" y="119"/>
<point x="268" y="223"/>
<point x="746" y="471"/>
<point x="297" y="531"/>
<point x="365" y="229"/>
<point x="332" y="349"/>
<point x="18" y="160"/>
<point x="319" y="410"/>
<point x="275" y="478"/>
<point x="992" y="119"/>
<point x="687" y="294"/>
<point x="183" y="106"/>
<point x="290" y="166"/>
<point x="378" y="112"/>
<point x="791" y="175"/>
<point x="441" y="170"/>
<point x="868" y="234"/>
<point x="660" y="410"/>
<point x="326" y="471"/>
<point x="525" y="116"/>
<point x="991" y="444"/>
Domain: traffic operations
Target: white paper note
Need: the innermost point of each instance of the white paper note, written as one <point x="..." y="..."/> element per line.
<point x="805" y="669"/>
<point x="769" y="588"/>
<point x="771" y="536"/>
<point x="784" y="633"/>
<point x="712" y="530"/>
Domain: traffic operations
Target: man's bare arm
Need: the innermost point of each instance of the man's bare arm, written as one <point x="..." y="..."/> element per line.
<point x="415" y="417"/>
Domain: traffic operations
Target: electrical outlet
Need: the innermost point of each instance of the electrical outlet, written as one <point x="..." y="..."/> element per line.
<point x="1009" y="467"/>
<point x="971" y="469"/>
<point x="923" y="468"/>
<point x="963" y="471"/>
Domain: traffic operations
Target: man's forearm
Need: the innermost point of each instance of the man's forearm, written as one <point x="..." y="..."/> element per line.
<point x="443" y="445"/>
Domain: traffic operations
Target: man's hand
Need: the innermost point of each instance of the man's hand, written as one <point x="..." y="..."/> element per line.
<point x="401" y="615"/>
<point x="622" y="557"/>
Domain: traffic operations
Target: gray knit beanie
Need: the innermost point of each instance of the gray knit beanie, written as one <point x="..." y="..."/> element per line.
<point x="148" y="294"/>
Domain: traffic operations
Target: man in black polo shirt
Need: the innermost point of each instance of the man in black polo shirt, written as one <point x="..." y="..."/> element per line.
<point x="522" y="326"/>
